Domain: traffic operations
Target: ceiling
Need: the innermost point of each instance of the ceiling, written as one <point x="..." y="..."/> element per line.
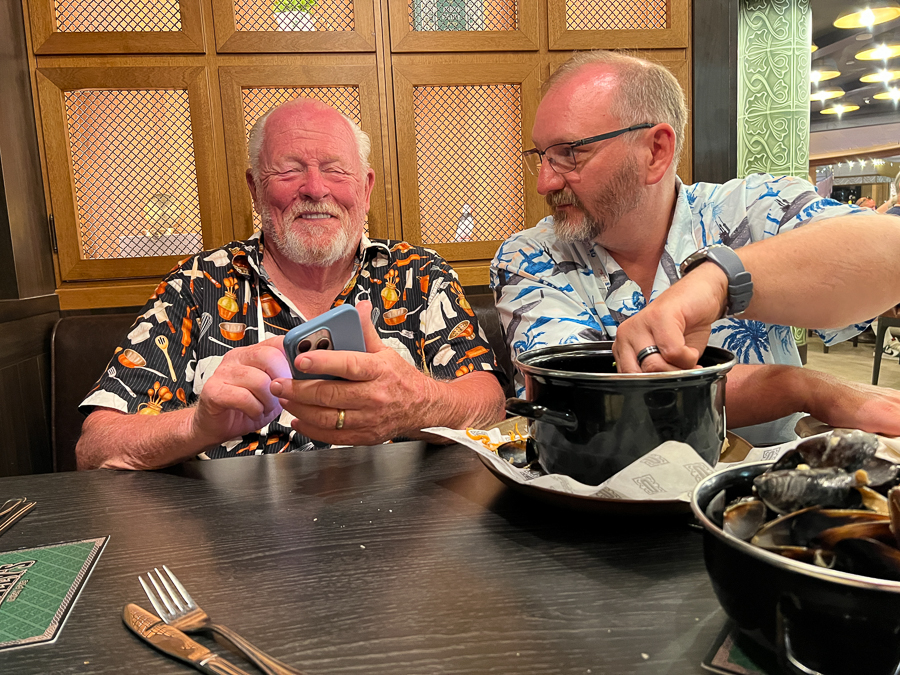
<point x="837" y="49"/>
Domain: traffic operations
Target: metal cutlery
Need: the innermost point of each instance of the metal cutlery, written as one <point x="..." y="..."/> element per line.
<point x="12" y="510"/>
<point x="178" y="609"/>
<point x="172" y="642"/>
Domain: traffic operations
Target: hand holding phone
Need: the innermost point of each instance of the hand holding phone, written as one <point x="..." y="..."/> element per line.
<point x="339" y="328"/>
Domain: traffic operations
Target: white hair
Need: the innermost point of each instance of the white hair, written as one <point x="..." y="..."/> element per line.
<point x="258" y="136"/>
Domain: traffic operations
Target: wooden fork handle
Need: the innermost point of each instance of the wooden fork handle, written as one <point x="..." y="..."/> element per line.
<point x="266" y="663"/>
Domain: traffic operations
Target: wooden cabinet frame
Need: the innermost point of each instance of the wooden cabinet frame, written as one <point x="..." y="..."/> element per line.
<point x="230" y="39"/>
<point x="404" y="39"/>
<point x="52" y="85"/>
<point x="48" y="40"/>
<point x="676" y="34"/>
<point x="409" y="72"/>
<point x="321" y="71"/>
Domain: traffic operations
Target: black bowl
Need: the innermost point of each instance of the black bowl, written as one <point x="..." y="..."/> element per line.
<point x="817" y="620"/>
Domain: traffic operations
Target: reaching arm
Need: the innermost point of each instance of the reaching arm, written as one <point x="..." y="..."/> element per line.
<point x="762" y="393"/>
<point x="830" y="273"/>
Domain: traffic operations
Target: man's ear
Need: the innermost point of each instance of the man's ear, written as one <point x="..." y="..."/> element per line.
<point x="662" y="152"/>
<point x="252" y="185"/>
<point x="370" y="183"/>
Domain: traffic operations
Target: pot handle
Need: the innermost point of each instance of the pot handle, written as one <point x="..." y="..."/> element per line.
<point x="786" y="655"/>
<point x="518" y="406"/>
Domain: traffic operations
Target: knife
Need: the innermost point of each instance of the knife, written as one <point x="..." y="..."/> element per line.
<point x="174" y="643"/>
<point x="10" y="514"/>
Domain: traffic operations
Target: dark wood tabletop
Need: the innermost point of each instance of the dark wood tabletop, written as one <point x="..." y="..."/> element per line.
<point x="393" y="559"/>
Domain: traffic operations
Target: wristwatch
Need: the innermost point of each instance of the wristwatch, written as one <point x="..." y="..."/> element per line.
<point x="740" y="284"/>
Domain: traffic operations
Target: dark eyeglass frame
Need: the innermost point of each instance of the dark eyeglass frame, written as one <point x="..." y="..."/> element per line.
<point x="534" y="166"/>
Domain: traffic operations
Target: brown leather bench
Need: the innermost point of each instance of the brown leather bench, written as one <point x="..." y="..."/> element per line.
<point x="83" y="345"/>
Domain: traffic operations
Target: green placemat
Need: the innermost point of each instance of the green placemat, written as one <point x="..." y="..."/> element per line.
<point x="38" y="587"/>
<point x="731" y="656"/>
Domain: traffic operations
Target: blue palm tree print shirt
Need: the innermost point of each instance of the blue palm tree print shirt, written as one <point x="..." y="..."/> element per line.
<point x="549" y="292"/>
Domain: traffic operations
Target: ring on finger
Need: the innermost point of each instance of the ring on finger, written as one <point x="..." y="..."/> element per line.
<point x="645" y="352"/>
<point x="340" y="420"/>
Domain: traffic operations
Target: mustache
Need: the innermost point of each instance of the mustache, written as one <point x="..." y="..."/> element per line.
<point x="563" y="198"/>
<point x="307" y="206"/>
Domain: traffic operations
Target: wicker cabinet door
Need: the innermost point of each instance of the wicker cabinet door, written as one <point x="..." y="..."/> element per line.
<point x="116" y="26"/>
<point x="461" y="129"/>
<point x="256" y="26"/>
<point x="463" y="25"/>
<point x="130" y="164"/>
<point x="618" y="24"/>
<point x="249" y="91"/>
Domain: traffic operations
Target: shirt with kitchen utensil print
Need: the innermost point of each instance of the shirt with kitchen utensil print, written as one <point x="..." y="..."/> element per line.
<point x="213" y="302"/>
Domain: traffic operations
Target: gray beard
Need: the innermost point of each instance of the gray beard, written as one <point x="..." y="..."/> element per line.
<point x="291" y="246"/>
<point x="620" y="195"/>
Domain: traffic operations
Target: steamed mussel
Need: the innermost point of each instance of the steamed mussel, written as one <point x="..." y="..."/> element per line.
<point x="822" y="503"/>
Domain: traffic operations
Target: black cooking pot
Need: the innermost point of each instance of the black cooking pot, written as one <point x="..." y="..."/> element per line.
<point x="589" y="421"/>
<point x="818" y="621"/>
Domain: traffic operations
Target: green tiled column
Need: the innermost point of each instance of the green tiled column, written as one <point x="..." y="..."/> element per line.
<point x="773" y="86"/>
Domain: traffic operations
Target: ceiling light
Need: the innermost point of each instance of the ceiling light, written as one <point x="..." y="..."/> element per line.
<point x="881" y="76"/>
<point x="875" y="13"/>
<point x="812" y="48"/>
<point x="880" y="53"/>
<point x="826" y="94"/>
<point x="839" y="109"/>
<point x="893" y="94"/>
<point x="817" y="76"/>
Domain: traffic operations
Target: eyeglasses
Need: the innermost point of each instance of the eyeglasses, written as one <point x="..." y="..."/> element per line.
<point x="561" y="156"/>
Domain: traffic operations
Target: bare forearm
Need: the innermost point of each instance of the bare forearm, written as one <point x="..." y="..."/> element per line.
<point x="762" y="393"/>
<point x="473" y="400"/>
<point x="114" y="440"/>
<point x="827" y="274"/>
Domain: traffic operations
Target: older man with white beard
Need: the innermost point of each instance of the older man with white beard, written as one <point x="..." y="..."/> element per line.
<point x="203" y="372"/>
<point x="607" y="134"/>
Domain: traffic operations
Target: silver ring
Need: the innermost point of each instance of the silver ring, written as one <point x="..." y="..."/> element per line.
<point x="645" y="352"/>
<point x="340" y="419"/>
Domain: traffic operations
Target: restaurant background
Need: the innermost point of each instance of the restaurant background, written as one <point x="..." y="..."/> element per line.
<point x="124" y="134"/>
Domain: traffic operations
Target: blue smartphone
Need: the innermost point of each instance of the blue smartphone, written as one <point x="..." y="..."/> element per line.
<point x="338" y="328"/>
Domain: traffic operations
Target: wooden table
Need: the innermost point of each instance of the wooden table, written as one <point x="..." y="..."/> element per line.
<point x="399" y="559"/>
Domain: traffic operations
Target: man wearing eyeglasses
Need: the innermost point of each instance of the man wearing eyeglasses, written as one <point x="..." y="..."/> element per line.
<point x="607" y="136"/>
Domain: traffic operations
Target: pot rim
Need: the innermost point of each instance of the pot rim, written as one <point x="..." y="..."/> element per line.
<point x="603" y="345"/>
<point x="779" y="561"/>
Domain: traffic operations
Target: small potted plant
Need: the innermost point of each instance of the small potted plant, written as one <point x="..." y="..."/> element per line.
<point x="293" y="15"/>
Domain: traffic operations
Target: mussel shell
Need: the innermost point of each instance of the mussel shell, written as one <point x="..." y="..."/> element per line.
<point x="882" y="474"/>
<point x="791" y="490"/>
<point x="520" y="453"/>
<point x="743" y="518"/>
<point x="842" y="449"/>
<point x="803" y="528"/>
<point x="867" y="557"/>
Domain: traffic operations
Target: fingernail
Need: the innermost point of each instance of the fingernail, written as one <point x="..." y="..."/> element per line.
<point x="276" y="388"/>
<point x="303" y="364"/>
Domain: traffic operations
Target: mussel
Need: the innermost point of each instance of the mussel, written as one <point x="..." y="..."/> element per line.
<point x="520" y="452"/>
<point x="794" y="489"/>
<point x="842" y="449"/>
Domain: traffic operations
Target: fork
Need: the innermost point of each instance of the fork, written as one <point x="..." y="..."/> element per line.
<point x="178" y="609"/>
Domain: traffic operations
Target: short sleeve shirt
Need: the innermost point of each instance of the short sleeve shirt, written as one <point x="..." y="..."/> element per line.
<point x="549" y="292"/>
<point x="223" y="299"/>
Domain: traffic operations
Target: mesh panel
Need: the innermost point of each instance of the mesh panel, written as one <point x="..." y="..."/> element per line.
<point x="616" y="14"/>
<point x="257" y="102"/>
<point x="468" y="156"/>
<point x="94" y="16"/>
<point x="257" y="15"/>
<point x="135" y="178"/>
<point x="462" y="15"/>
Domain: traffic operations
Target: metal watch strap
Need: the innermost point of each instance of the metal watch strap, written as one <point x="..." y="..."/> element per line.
<point x="740" y="283"/>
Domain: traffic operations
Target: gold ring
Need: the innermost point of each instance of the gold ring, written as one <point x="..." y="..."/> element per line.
<point x="340" y="422"/>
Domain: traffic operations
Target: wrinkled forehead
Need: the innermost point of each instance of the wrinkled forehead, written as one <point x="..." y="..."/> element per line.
<point x="309" y="128"/>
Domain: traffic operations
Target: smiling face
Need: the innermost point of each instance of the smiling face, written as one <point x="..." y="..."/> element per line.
<point x="606" y="183"/>
<point x="310" y="190"/>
